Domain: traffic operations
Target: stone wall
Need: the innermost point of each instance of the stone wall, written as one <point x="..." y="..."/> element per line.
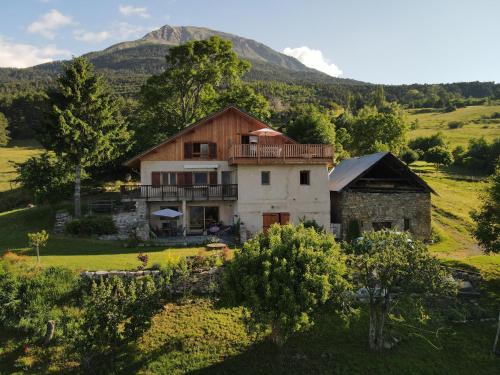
<point x="380" y="207"/>
<point x="201" y="280"/>
<point x="129" y="221"/>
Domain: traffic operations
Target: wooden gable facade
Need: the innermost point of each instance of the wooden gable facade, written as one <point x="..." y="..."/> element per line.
<point x="219" y="131"/>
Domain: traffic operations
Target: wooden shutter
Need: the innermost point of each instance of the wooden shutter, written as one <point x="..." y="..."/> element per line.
<point x="212" y="150"/>
<point x="188" y="178"/>
<point x="188" y="150"/>
<point x="155" y="178"/>
<point x="180" y="179"/>
<point x="268" y="219"/>
<point x="284" y="218"/>
<point x="212" y="178"/>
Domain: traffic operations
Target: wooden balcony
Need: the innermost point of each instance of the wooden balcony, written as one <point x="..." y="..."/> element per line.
<point x="280" y="154"/>
<point x="177" y="193"/>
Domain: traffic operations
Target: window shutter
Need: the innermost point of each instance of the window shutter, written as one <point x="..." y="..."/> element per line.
<point x="188" y="150"/>
<point x="213" y="178"/>
<point x="155" y="178"/>
<point x="180" y="179"/>
<point x="212" y="150"/>
<point x="188" y="178"/>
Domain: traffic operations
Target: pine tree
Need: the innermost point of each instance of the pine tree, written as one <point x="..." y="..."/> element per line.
<point x="4" y="132"/>
<point x="85" y="126"/>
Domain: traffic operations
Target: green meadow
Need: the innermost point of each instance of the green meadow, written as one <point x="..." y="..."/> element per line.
<point x="477" y="122"/>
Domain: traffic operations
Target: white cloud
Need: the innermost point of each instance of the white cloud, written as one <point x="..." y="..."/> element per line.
<point x="48" y="23"/>
<point x="16" y="55"/>
<point x="118" y="32"/>
<point x="313" y="58"/>
<point x="129" y="10"/>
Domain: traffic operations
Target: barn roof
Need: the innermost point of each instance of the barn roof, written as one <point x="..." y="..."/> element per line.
<point x="349" y="170"/>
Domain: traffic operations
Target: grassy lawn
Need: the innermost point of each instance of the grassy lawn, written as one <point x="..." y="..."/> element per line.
<point x="199" y="336"/>
<point x="75" y="253"/>
<point x="432" y="122"/>
<point x="17" y="151"/>
<point x="451" y="207"/>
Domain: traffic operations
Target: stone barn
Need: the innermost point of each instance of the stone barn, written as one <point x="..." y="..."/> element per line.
<point x="379" y="191"/>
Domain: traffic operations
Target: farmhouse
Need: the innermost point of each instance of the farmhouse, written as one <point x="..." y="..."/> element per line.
<point x="230" y="168"/>
<point x="379" y="191"/>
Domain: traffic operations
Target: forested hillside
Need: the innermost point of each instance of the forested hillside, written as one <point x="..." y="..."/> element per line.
<point x="283" y="80"/>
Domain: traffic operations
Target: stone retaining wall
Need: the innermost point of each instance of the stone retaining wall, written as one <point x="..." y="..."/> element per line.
<point x="201" y="281"/>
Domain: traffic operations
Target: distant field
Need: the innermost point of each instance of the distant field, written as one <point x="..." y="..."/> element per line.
<point x="456" y="197"/>
<point x="17" y="151"/>
<point x="432" y="122"/>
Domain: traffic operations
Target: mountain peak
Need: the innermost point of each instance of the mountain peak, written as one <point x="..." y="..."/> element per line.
<point x="244" y="48"/>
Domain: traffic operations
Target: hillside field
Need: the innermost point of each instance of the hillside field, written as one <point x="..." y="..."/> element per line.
<point x="477" y="122"/>
<point x="16" y="151"/>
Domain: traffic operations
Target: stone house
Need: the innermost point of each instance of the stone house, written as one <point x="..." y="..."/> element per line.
<point x="379" y="191"/>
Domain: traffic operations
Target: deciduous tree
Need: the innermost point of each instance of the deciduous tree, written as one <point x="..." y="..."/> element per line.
<point x="487" y="219"/>
<point x="199" y="77"/>
<point x="281" y="277"/>
<point x="4" y="131"/>
<point x="386" y="262"/>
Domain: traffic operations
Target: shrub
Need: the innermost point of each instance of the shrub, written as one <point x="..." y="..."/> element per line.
<point x="353" y="230"/>
<point x="311" y="223"/>
<point x="143" y="258"/>
<point x="115" y="312"/>
<point x="426" y="143"/>
<point x="455" y="124"/>
<point x="409" y="156"/>
<point x="281" y="277"/>
<point x="47" y="177"/>
<point x="439" y="155"/>
<point x="28" y="301"/>
<point x="91" y="225"/>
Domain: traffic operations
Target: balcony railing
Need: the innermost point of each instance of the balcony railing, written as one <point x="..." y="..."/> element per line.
<point x="180" y="193"/>
<point x="282" y="151"/>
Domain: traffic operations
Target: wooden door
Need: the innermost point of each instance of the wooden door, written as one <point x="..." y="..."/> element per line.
<point x="268" y="219"/>
<point x="284" y="218"/>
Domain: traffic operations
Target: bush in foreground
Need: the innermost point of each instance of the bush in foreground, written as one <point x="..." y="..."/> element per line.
<point x="282" y="276"/>
<point x="91" y="225"/>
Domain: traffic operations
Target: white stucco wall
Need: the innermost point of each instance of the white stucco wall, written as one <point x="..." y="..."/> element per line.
<point x="179" y="166"/>
<point x="284" y="194"/>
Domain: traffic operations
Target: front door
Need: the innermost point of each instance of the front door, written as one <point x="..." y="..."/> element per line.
<point x="270" y="218"/>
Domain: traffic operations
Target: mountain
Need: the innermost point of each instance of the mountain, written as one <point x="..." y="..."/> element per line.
<point x="245" y="48"/>
<point x="128" y="64"/>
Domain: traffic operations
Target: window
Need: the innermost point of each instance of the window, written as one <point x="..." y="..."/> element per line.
<point x="381" y="225"/>
<point x="200" y="178"/>
<point x="227" y="177"/>
<point x="200" y="150"/>
<point x="406" y="224"/>
<point x="169" y="178"/>
<point x="304" y="178"/>
<point x="265" y="178"/>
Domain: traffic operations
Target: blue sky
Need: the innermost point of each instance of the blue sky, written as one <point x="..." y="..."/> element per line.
<point x="380" y="41"/>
